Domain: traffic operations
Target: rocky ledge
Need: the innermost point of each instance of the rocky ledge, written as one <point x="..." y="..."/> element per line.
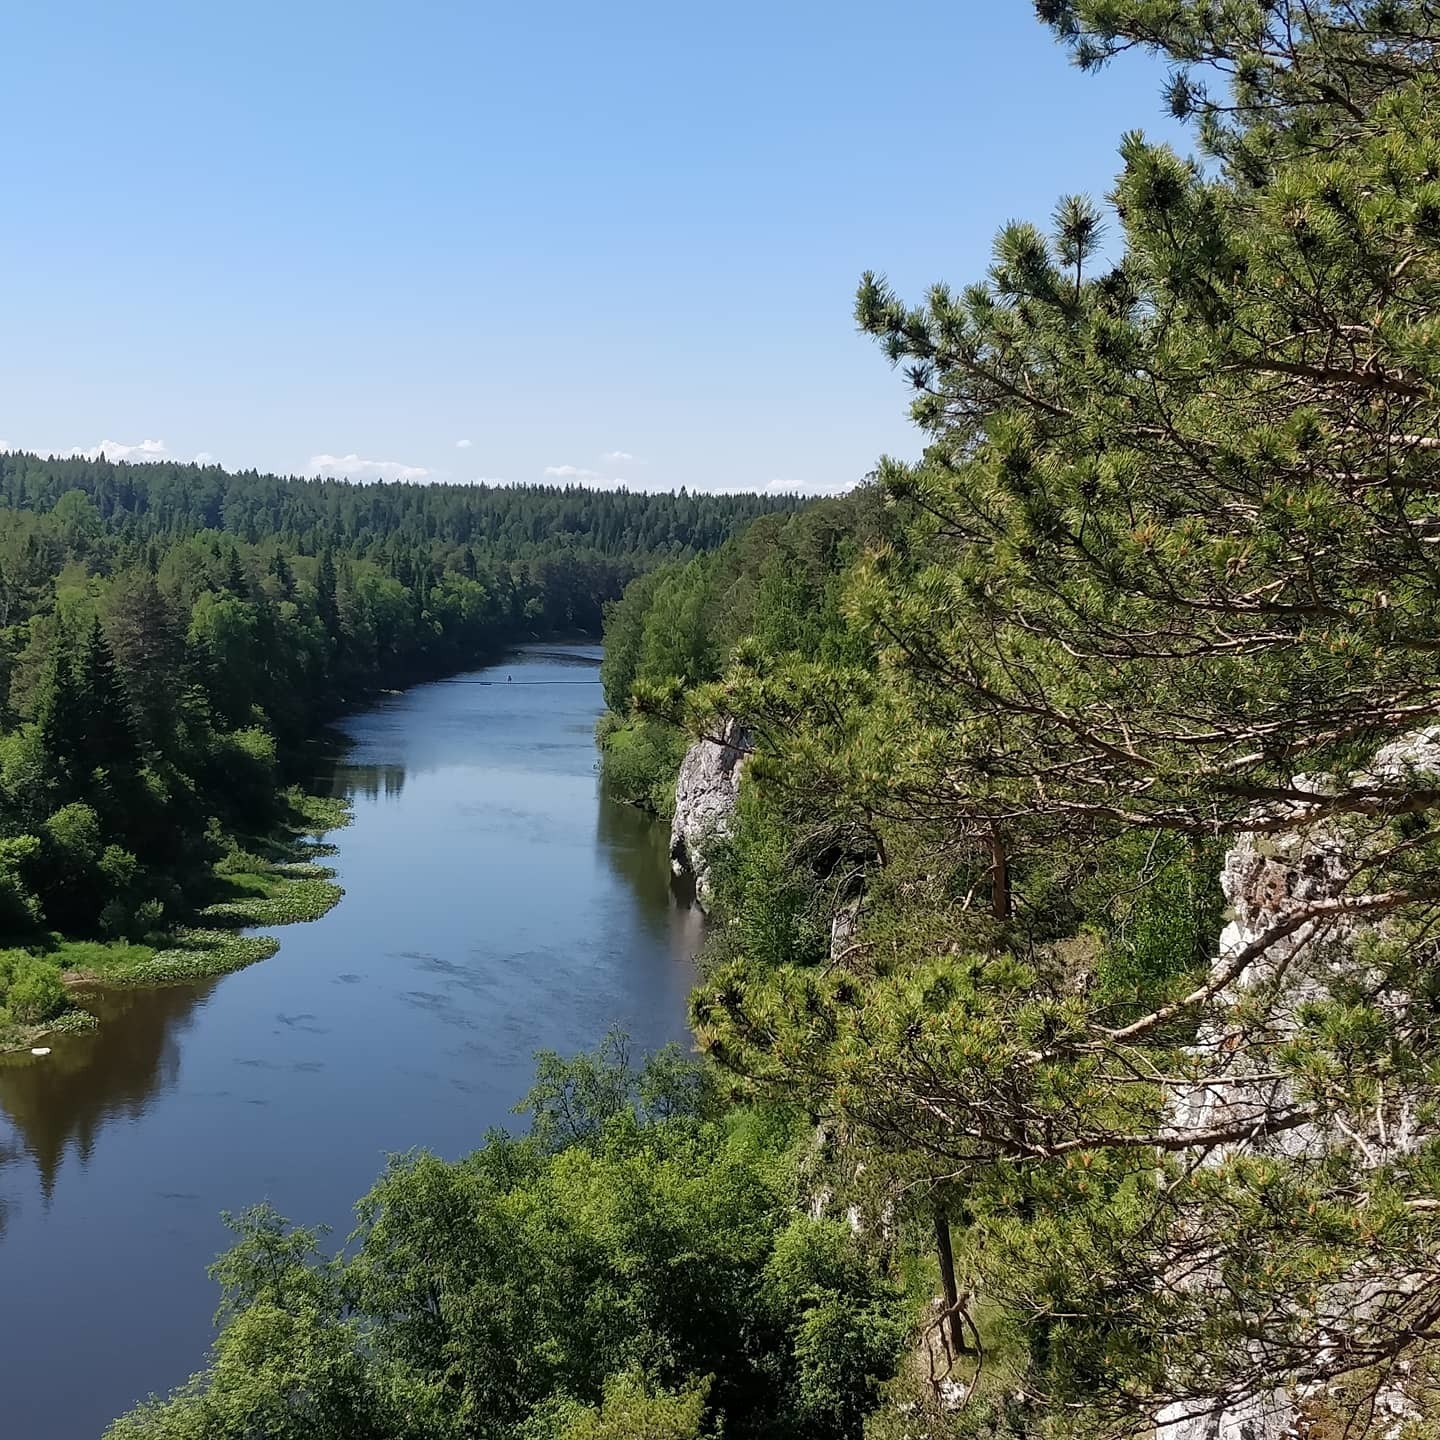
<point x="705" y="796"/>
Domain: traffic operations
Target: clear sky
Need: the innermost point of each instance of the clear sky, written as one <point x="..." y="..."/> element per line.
<point x="473" y="240"/>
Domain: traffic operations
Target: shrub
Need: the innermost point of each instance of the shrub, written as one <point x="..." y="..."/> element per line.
<point x="640" y="762"/>
<point x="32" y="987"/>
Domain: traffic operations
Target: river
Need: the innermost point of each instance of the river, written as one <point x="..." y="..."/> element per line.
<point x="496" y="903"/>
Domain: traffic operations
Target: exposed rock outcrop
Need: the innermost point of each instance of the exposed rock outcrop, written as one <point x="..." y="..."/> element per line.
<point x="1270" y="881"/>
<point x="705" y="797"/>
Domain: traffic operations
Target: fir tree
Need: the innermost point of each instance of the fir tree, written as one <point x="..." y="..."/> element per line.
<point x="111" y="741"/>
<point x="63" y="723"/>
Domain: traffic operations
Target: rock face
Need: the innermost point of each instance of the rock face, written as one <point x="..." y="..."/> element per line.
<point x="705" y="796"/>
<point x="1271" y="879"/>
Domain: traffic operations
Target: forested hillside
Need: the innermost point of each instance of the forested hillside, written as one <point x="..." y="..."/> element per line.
<point x="1145" y="645"/>
<point x="1071" y="989"/>
<point x="169" y="634"/>
<point x="777" y="586"/>
<point x="165" y="498"/>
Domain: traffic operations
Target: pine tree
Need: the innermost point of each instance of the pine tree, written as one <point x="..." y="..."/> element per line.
<point x="284" y="576"/>
<point x="111" y="740"/>
<point x="237" y="582"/>
<point x="1170" y="547"/>
<point x="325" y="597"/>
<point x="145" y="641"/>
<point x="63" y="723"/>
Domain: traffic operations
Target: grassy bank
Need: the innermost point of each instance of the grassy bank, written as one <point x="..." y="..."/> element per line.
<point x="268" y="880"/>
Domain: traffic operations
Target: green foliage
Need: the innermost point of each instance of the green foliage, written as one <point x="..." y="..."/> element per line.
<point x="1160" y="585"/>
<point x="1158" y="903"/>
<point x="777" y="586"/>
<point x="19" y="906"/>
<point x="573" y="1100"/>
<point x="774" y="909"/>
<point x="31" y="990"/>
<point x="641" y="758"/>
<point x="632" y="1408"/>
<point x="632" y="1268"/>
<point x="170" y="634"/>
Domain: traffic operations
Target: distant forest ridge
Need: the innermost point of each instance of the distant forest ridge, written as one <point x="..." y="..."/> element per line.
<point x="144" y="500"/>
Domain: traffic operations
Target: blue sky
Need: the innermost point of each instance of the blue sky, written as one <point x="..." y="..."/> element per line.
<point x="516" y="242"/>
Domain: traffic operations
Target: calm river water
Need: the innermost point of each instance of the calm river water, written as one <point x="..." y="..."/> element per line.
<point x="496" y="904"/>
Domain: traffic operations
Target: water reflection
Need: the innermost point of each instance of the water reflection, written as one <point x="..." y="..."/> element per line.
<point x="368" y="782"/>
<point x="637" y="848"/>
<point x="69" y="1096"/>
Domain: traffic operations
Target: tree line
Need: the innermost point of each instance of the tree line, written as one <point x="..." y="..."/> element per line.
<point x="169" y="635"/>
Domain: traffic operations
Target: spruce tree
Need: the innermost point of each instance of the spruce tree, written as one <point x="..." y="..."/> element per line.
<point x="111" y="740"/>
<point x="63" y="723"/>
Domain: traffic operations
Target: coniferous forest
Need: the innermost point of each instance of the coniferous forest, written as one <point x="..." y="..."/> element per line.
<point x="1068" y="1020"/>
<point x="171" y="637"/>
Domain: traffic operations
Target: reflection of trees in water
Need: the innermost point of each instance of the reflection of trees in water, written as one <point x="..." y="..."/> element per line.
<point x="582" y="656"/>
<point x="369" y="781"/>
<point x="637" y="846"/>
<point x="89" y="1079"/>
<point x="8" y="1154"/>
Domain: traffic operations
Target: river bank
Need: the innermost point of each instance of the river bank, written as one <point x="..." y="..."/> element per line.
<point x="266" y="881"/>
<point x="497" y="903"/>
<point x="260" y="882"/>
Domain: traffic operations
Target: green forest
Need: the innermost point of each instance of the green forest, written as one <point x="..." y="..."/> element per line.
<point x="172" y="638"/>
<point x="1068" y="1023"/>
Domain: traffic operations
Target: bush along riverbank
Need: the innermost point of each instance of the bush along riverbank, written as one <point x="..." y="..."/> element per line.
<point x="271" y="880"/>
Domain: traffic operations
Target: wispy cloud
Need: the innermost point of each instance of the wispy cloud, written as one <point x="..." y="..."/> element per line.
<point x="571" y="472"/>
<point x="463" y="444"/>
<point x="621" y="457"/>
<point x="356" y="467"/>
<point x="115" y="451"/>
<point x="118" y="450"/>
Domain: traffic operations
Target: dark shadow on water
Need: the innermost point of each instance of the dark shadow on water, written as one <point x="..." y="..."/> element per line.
<point x="68" y="1096"/>
<point x="637" y="847"/>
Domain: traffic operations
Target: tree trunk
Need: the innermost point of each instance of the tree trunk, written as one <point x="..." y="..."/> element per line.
<point x="999" y="876"/>
<point x="954" y="1326"/>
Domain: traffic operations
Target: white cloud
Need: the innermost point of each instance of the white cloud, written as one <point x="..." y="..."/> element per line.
<point x="571" y="472"/>
<point x="621" y="457"/>
<point x="463" y="444"/>
<point x="117" y="450"/>
<point x="353" y="467"/>
<point x="808" y="487"/>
